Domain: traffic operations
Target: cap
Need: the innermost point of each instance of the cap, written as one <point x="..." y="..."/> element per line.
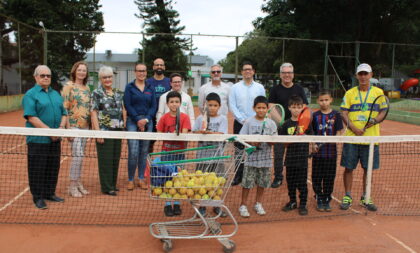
<point x="363" y="67"/>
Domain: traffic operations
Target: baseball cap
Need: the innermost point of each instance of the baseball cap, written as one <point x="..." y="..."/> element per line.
<point x="363" y="67"/>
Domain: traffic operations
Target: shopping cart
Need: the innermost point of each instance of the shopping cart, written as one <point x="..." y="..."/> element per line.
<point x="201" y="176"/>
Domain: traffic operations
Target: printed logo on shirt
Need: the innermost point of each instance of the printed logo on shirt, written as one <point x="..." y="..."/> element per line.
<point x="160" y="89"/>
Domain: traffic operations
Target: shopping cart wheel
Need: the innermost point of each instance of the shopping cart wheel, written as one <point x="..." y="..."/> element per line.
<point x="167" y="245"/>
<point x="231" y="248"/>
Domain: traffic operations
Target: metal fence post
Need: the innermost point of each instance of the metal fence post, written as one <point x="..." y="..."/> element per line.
<point x="236" y="59"/>
<point x="326" y="66"/>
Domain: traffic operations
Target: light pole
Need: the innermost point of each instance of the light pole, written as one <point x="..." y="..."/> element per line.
<point x="44" y="35"/>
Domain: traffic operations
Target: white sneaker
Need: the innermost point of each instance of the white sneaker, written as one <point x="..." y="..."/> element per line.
<point x="259" y="209"/>
<point x="243" y="211"/>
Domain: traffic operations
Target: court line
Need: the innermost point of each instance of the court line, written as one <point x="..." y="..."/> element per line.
<point x="23" y="192"/>
<point x="405" y="246"/>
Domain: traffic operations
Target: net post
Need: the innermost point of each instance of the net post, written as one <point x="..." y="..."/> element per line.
<point x="368" y="189"/>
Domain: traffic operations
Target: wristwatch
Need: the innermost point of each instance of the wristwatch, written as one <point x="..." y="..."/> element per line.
<point x="147" y="121"/>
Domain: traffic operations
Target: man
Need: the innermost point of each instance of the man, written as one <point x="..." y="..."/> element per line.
<point x="43" y="108"/>
<point x="241" y="103"/>
<point x="160" y="84"/>
<point x="186" y="102"/>
<point x="280" y="94"/>
<point x="355" y="112"/>
<point x="217" y="86"/>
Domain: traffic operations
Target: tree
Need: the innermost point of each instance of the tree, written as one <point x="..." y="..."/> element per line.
<point x="161" y="20"/>
<point x="63" y="48"/>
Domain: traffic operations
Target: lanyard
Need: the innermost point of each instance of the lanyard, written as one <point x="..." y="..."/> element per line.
<point x="364" y="104"/>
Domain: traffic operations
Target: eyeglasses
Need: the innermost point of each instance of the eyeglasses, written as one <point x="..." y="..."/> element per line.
<point x="45" y="76"/>
<point x="141" y="70"/>
<point x="286" y="73"/>
<point x="106" y="77"/>
<point x="216" y="71"/>
<point x="176" y="82"/>
<point x="159" y="65"/>
<point x="247" y="69"/>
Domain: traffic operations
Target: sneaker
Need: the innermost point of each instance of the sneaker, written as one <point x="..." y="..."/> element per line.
<point x="218" y="210"/>
<point x="142" y="184"/>
<point x="319" y="204"/>
<point x="327" y="207"/>
<point x="130" y="185"/>
<point x="276" y="183"/>
<point x="346" y="203"/>
<point x="303" y="210"/>
<point x="368" y="204"/>
<point x="168" y="211"/>
<point x="289" y="207"/>
<point x="177" y="210"/>
<point x="81" y="188"/>
<point x="74" y="192"/>
<point x="243" y="211"/>
<point x="202" y="210"/>
<point x="259" y="209"/>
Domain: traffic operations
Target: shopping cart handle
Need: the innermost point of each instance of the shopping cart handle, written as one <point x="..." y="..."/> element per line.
<point x="249" y="148"/>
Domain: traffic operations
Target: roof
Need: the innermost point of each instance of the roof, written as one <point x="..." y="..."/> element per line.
<point x="111" y="57"/>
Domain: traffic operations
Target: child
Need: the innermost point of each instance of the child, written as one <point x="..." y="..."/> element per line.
<point x="326" y="121"/>
<point x="296" y="161"/>
<point x="217" y="124"/>
<point x="258" y="164"/>
<point x="167" y="124"/>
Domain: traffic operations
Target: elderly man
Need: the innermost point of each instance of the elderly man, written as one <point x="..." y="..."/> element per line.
<point x="43" y="108"/>
<point x="241" y="103"/>
<point x="280" y="94"/>
<point x="355" y="112"/>
<point x="217" y="86"/>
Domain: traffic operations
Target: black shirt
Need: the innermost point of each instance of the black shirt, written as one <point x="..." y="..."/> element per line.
<point x="297" y="153"/>
<point x="281" y="95"/>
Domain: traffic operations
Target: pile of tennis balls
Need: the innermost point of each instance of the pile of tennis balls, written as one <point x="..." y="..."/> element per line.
<point x="196" y="185"/>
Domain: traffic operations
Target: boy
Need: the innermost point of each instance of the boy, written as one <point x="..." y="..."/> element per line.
<point x="258" y="164"/>
<point x="167" y="124"/>
<point x="326" y="121"/>
<point x="296" y="161"/>
<point x="217" y="124"/>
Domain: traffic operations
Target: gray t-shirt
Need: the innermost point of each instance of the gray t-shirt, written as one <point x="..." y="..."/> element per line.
<point x="216" y="124"/>
<point x="261" y="158"/>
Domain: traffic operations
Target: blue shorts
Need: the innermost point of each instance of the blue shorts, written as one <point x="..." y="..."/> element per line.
<point x="352" y="153"/>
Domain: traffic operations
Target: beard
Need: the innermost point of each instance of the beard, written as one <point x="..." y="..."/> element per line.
<point x="159" y="71"/>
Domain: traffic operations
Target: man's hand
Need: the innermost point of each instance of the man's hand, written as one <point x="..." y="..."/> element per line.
<point x="357" y="131"/>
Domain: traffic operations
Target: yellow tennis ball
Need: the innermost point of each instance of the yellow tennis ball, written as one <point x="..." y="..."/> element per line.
<point x="202" y="191"/>
<point x="169" y="184"/>
<point x="190" y="192"/>
<point x="157" y="191"/>
<point x="172" y="191"/>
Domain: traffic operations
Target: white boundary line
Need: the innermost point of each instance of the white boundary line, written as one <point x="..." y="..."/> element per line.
<point x="401" y="243"/>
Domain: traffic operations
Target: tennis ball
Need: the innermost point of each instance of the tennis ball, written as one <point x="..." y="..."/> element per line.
<point x="197" y="196"/>
<point x="163" y="196"/>
<point x="219" y="192"/>
<point x="213" y="174"/>
<point x="177" y="184"/>
<point x="191" y="183"/>
<point x="202" y="191"/>
<point x="190" y="192"/>
<point x="200" y="181"/>
<point x="211" y="193"/>
<point x="157" y="191"/>
<point x="169" y="184"/>
<point x="222" y="180"/>
<point x="199" y="172"/>
<point x="177" y="196"/>
<point x="184" y="172"/>
<point x="216" y="197"/>
<point x="182" y="191"/>
<point x="169" y="196"/>
<point x="184" y="196"/>
<point x="172" y="191"/>
<point x="205" y="196"/>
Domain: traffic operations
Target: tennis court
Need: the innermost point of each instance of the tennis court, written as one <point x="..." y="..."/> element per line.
<point x="339" y="231"/>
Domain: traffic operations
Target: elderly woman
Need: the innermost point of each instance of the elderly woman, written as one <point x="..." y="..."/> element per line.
<point x="107" y="114"/>
<point x="76" y="96"/>
<point x="140" y="102"/>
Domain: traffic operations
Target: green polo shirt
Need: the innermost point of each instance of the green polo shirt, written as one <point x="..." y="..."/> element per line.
<point x="47" y="106"/>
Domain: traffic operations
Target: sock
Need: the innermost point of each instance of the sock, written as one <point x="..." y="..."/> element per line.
<point x="168" y="203"/>
<point x="177" y="203"/>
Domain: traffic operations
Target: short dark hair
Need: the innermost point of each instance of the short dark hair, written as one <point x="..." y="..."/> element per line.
<point x="295" y="100"/>
<point x="173" y="94"/>
<point x="324" y="92"/>
<point x="247" y="63"/>
<point x="174" y="75"/>
<point x="260" y="99"/>
<point x="139" y="63"/>
<point x="213" y="97"/>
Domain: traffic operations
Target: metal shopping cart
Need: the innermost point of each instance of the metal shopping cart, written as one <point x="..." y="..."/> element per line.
<point x="202" y="176"/>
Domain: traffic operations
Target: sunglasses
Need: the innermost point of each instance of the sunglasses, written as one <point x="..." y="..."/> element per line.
<point x="216" y="71"/>
<point x="45" y="76"/>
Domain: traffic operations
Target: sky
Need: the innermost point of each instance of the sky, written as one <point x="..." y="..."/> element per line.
<point x="214" y="17"/>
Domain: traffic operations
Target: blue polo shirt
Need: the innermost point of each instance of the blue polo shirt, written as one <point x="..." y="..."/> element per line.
<point x="140" y="104"/>
<point x="47" y="106"/>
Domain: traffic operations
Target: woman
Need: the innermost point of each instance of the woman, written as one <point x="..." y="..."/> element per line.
<point x="140" y="103"/>
<point x="107" y="114"/>
<point x="76" y="96"/>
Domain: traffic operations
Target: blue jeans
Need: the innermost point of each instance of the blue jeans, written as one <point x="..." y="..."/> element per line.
<point x="137" y="151"/>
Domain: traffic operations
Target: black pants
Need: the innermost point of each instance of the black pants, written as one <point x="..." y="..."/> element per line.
<point x="239" y="173"/>
<point x="43" y="168"/>
<point x="323" y="176"/>
<point x="278" y="161"/>
<point x="296" y="178"/>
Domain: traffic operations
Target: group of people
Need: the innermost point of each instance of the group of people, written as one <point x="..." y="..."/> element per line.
<point x="149" y="105"/>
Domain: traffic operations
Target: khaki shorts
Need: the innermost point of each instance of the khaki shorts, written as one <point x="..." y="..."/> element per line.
<point x="254" y="175"/>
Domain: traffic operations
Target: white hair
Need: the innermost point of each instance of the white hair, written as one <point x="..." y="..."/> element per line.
<point x="217" y="65"/>
<point x="38" y="69"/>
<point x="105" y="71"/>
<point x="286" y="64"/>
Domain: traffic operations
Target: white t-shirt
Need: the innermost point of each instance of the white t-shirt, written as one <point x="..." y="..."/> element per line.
<point x="222" y="90"/>
<point x="216" y="124"/>
<point x="186" y="106"/>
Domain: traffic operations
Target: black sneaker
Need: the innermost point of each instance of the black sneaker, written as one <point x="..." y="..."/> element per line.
<point x="236" y="182"/>
<point x="276" y="183"/>
<point x="303" y="210"/>
<point x="327" y="207"/>
<point x="218" y="210"/>
<point x="202" y="210"/>
<point x="289" y="207"/>
<point x="168" y="211"/>
<point x="177" y="210"/>
<point x="320" y="206"/>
